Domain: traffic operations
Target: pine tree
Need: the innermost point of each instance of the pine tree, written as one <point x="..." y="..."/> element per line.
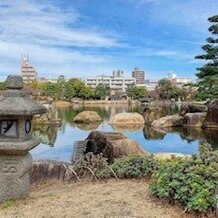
<point x="208" y="74"/>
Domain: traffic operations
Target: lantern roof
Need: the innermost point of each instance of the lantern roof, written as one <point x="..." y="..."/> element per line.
<point x="14" y="102"/>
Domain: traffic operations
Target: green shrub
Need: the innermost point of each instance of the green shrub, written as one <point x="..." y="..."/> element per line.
<point x="94" y="162"/>
<point x="134" y="166"/>
<point x="191" y="181"/>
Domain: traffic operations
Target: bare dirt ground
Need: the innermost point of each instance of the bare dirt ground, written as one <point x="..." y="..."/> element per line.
<point x="115" y="199"/>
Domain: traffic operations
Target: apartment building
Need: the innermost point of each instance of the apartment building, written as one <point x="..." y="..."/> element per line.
<point x="116" y="82"/>
<point x="139" y="75"/>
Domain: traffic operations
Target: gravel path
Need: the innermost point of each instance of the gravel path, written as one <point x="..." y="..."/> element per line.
<point x="115" y="199"/>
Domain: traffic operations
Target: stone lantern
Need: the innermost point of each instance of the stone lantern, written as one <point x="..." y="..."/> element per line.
<point x="16" y="112"/>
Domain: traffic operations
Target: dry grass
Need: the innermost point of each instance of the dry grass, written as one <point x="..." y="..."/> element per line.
<point x="124" y="198"/>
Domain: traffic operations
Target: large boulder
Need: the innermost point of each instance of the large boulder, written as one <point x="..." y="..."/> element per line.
<point x="168" y="121"/>
<point x="194" y="119"/>
<point x="211" y="120"/>
<point x="112" y="145"/>
<point x="127" y="119"/>
<point x="192" y="108"/>
<point x="87" y="117"/>
<point x="151" y="114"/>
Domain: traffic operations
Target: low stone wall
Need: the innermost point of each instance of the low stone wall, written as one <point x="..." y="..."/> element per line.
<point x="45" y="170"/>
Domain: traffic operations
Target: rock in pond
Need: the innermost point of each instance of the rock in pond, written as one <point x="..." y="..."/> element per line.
<point x="151" y="114"/>
<point x="194" y="119"/>
<point x="168" y="121"/>
<point x="192" y="108"/>
<point x="127" y="119"/>
<point x="211" y="120"/>
<point x="112" y="145"/>
<point x="87" y="117"/>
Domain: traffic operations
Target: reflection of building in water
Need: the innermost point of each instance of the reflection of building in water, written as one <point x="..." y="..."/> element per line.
<point x="28" y="72"/>
<point x="48" y="134"/>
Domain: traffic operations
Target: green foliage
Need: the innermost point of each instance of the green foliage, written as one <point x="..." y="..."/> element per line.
<point x="208" y="74"/>
<point x="2" y="85"/>
<point x="101" y="91"/>
<point x="191" y="181"/>
<point x="94" y="162"/>
<point x="135" y="166"/>
<point x="167" y="89"/>
<point x="8" y="203"/>
<point x="135" y="92"/>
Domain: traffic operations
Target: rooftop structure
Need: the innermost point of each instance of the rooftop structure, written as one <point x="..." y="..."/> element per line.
<point x="175" y="79"/>
<point x="28" y="72"/>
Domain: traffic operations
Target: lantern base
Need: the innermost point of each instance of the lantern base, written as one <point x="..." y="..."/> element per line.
<point x="14" y="177"/>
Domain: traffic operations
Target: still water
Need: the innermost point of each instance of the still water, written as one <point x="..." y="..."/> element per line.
<point x="58" y="142"/>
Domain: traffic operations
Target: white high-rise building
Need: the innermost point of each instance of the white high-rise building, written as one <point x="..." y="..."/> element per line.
<point x="28" y="72"/>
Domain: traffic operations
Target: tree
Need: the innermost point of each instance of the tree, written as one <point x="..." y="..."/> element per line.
<point x="135" y="92"/>
<point x="167" y="89"/>
<point x="101" y="91"/>
<point x="78" y="87"/>
<point x="208" y="74"/>
<point x="87" y="92"/>
<point x="69" y="91"/>
<point x="130" y="91"/>
<point x="2" y="85"/>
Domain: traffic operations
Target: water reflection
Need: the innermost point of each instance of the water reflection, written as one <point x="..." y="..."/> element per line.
<point x="153" y="133"/>
<point x="48" y="134"/>
<point x="88" y="126"/>
<point x="61" y="139"/>
<point x="124" y="128"/>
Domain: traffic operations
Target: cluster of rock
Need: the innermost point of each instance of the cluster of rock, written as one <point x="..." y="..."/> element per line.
<point x="191" y="116"/>
<point x="112" y="145"/>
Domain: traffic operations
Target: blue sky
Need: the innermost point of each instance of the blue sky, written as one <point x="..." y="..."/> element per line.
<point x="82" y="38"/>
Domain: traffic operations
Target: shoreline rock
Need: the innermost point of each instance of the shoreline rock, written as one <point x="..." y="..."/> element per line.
<point x="192" y="108"/>
<point x="168" y="121"/>
<point x="151" y="114"/>
<point x="211" y="120"/>
<point x="112" y="145"/>
<point x="193" y="120"/>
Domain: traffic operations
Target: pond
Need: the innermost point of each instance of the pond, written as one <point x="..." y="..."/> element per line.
<point x="58" y="142"/>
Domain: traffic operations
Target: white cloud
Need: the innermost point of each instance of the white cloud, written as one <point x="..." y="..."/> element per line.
<point x="48" y="34"/>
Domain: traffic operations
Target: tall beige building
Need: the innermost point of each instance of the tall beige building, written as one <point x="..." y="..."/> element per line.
<point x="139" y="76"/>
<point x="28" y="72"/>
